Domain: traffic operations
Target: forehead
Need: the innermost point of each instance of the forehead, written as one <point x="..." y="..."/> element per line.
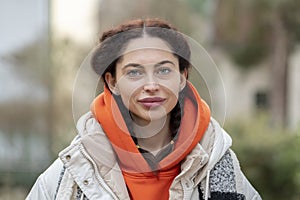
<point x="147" y="50"/>
<point x="147" y="43"/>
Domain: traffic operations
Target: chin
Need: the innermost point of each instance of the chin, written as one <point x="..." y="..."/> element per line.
<point x="155" y="115"/>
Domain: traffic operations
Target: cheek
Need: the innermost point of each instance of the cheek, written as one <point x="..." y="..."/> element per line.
<point x="173" y="98"/>
<point x="172" y="86"/>
<point x="126" y="97"/>
<point x="128" y="93"/>
<point x="126" y="88"/>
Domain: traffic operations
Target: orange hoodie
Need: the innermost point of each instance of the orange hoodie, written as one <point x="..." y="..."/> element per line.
<point x="140" y="181"/>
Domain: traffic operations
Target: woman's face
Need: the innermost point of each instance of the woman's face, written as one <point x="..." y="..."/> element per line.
<point x="147" y="79"/>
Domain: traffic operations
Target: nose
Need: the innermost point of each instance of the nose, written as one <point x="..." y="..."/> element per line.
<point x="151" y="87"/>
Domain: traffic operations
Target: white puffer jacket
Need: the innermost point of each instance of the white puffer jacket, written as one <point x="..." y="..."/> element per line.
<point x="88" y="169"/>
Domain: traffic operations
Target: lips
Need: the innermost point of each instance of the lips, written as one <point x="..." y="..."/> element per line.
<point x="150" y="102"/>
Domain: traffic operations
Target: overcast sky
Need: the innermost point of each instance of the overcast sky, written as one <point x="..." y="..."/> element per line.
<point x="21" y="22"/>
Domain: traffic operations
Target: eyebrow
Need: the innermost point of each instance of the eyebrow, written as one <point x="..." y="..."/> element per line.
<point x="164" y="62"/>
<point x="141" y="66"/>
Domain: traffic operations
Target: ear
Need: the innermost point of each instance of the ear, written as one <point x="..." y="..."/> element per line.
<point x="111" y="82"/>
<point x="183" y="77"/>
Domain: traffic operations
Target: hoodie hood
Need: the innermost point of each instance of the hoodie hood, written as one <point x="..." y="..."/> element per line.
<point x="194" y="123"/>
<point x="195" y="167"/>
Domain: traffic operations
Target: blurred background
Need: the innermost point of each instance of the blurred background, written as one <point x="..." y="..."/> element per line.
<point x="254" y="43"/>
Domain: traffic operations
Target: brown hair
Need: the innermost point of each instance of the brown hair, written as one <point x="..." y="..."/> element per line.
<point x="114" y="41"/>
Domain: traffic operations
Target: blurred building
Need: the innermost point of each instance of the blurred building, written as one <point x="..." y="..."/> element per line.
<point x="294" y="90"/>
<point x="248" y="93"/>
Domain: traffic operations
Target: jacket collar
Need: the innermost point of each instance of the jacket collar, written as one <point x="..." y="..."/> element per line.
<point x="90" y="157"/>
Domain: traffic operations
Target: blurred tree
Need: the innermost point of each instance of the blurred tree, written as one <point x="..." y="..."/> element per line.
<point x="29" y="64"/>
<point x="269" y="158"/>
<point x="251" y="31"/>
<point x="175" y="11"/>
<point x="51" y="65"/>
<point x="31" y="60"/>
<point x="66" y="57"/>
<point x="24" y="116"/>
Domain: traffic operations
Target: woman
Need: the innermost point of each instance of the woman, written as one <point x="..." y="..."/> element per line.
<point x="149" y="135"/>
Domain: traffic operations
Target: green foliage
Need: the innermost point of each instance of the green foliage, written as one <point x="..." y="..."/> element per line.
<point x="197" y="5"/>
<point x="268" y="157"/>
<point x="288" y="11"/>
<point x="291" y="15"/>
<point x="245" y="28"/>
<point x="248" y="54"/>
<point x="18" y="179"/>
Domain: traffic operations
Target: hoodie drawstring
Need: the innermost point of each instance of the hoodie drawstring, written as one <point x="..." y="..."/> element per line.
<point x="206" y="194"/>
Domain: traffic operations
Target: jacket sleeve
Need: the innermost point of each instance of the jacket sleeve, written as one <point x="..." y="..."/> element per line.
<point x="47" y="183"/>
<point x="243" y="186"/>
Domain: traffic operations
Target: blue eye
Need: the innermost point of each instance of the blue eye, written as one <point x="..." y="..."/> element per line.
<point x="134" y="73"/>
<point x="164" y="71"/>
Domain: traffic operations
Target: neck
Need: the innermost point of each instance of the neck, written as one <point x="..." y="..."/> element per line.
<point x="154" y="136"/>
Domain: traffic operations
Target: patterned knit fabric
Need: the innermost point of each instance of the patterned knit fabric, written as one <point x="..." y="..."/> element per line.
<point x="222" y="178"/>
<point x="59" y="180"/>
<point x="80" y="195"/>
<point x="222" y="181"/>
